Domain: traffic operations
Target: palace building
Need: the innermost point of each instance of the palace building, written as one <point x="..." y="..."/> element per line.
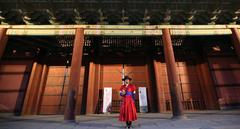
<point x="56" y="56"/>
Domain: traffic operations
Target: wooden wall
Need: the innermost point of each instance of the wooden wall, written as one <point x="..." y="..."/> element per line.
<point x="191" y="91"/>
<point x="225" y="71"/>
<point x="54" y="95"/>
<point x="14" y="76"/>
<point x="108" y="73"/>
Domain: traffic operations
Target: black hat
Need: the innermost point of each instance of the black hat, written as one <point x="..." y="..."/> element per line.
<point x="126" y="77"/>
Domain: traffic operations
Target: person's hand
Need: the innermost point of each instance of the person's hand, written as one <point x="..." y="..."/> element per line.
<point x="123" y="92"/>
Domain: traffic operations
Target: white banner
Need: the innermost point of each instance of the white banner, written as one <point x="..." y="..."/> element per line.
<point x="107" y="99"/>
<point x="143" y="99"/>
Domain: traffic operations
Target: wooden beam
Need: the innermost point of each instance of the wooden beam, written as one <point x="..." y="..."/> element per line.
<point x="75" y="74"/>
<point x="93" y="87"/>
<point x="42" y="85"/>
<point x="174" y="82"/>
<point x="125" y="30"/>
<point x="120" y="27"/>
<point x="3" y="41"/>
<point x="236" y="40"/>
<point x="90" y="92"/>
<point x="120" y="32"/>
<point x="207" y="86"/>
<point x="32" y="90"/>
<point x="161" y="101"/>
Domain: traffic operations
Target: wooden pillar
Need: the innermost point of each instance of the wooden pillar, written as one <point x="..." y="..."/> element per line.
<point x="174" y="83"/>
<point x="3" y="40"/>
<point x="42" y="85"/>
<point x="75" y="73"/>
<point x="79" y="98"/>
<point x="97" y="86"/>
<point x="149" y="89"/>
<point x="90" y="94"/>
<point x="236" y="40"/>
<point x="160" y="90"/>
<point x="207" y="87"/>
<point x="93" y="87"/>
<point x="32" y="90"/>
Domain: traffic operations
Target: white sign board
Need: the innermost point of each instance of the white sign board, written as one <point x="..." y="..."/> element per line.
<point x="143" y="99"/>
<point x="107" y="99"/>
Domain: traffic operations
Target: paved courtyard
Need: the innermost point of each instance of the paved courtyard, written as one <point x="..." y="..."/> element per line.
<point x="228" y="119"/>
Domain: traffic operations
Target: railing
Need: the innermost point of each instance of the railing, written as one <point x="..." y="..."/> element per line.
<point x="188" y="104"/>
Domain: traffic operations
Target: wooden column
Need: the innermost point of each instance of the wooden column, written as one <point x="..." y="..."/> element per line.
<point x="90" y="91"/>
<point x="42" y="85"/>
<point x="174" y="83"/>
<point x="160" y="90"/>
<point x="3" y="40"/>
<point x="79" y="98"/>
<point x="207" y="86"/>
<point x="149" y="89"/>
<point x="75" y="73"/>
<point x="32" y="90"/>
<point x="97" y="85"/>
<point x="93" y="87"/>
<point x="236" y="40"/>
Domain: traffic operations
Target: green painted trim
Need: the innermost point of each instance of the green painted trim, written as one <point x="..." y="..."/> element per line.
<point x="118" y="30"/>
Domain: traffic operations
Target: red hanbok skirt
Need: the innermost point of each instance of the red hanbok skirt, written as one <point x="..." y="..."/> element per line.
<point x="128" y="110"/>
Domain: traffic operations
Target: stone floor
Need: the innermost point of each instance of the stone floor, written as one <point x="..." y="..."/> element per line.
<point x="227" y="119"/>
